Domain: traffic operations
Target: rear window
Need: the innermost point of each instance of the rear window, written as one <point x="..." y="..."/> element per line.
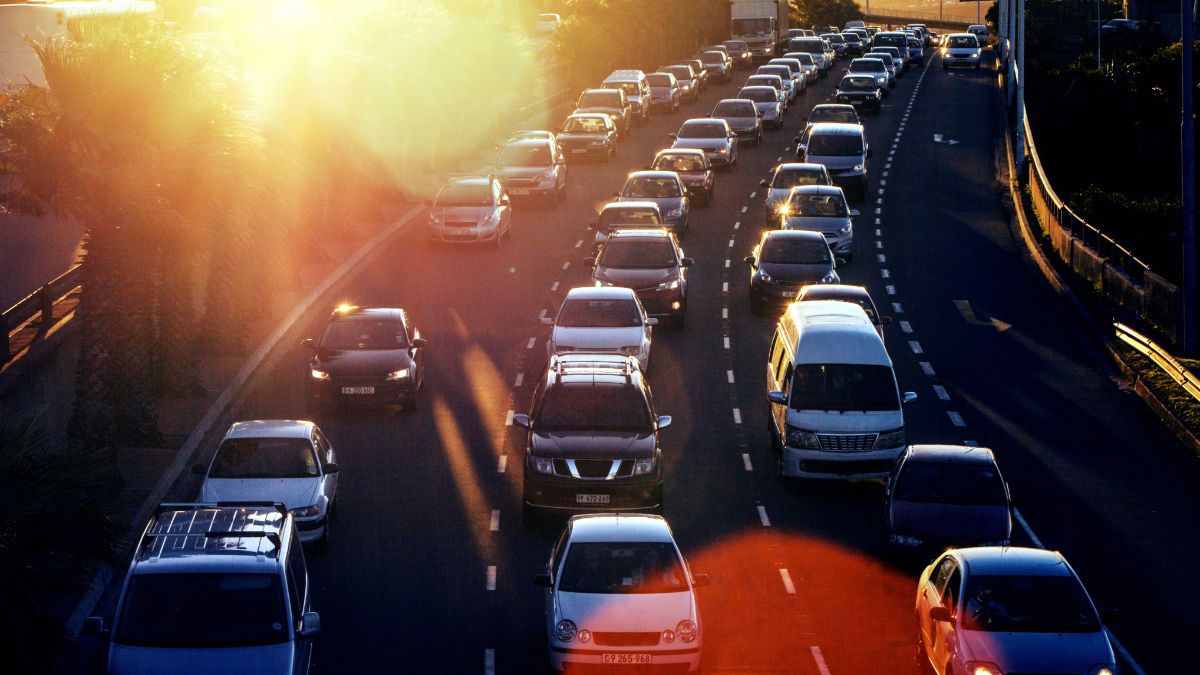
<point x="789" y="178"/>
<point x="949" y="483"/>
<point x="670" y="162"/>
<point x="652" y="187"/>
<point x="605" y="407"/>
<point x="645" y="255"/>
<point x="857" y="83"/>
<point x="817" y="206"/>
<point x="794" y="251"/>
<point x="585" y="125"/>
<point x="835" y="145"/>
<point x="659" y="80"/>
<point x="264" y="458"/>
<point x="703" y="129"/>
<point x="595" y="99"/>
<point x="766" y="95"/>
<point x="733" y="109"/>
<point x="203" y="610"/>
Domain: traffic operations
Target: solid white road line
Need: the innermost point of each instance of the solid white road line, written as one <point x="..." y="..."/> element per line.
<point x="787" y="581"/>
<point x="956" y="419"/>
<point x="520" y="379"/>
<point x="819" y="659"/>
<point x="762" y="516"/>
<point x="906" y="326"/>
<point x="915" y="347"/>
<point x="508" y="418"/>
<point x="489" y="662"/>
<point x="941" y="392"/>
<point x="926" y="368"/>
<point x="746" y="461"/>
<point x="503" y="463"/>
<point x="494" y="525"/>
<point x="491" y="577"/>
<point x="737" y="416"/>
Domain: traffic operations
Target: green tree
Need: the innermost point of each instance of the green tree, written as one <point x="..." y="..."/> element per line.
<point x="827" y="12"/>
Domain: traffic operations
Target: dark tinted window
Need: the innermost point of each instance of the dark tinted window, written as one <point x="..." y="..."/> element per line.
<point x="759" y="95"/>
<point x="817" y="206"/>
<point x="680" y="72"/>
<point x="794" y="251"/>
<point x="264" y="458"/>
<point x="612" y="217"/>
<point x="788" y="178"/>
<point x="712" y="57"/>
<point x="203" y="610"/>
<point x="866" y="66"/>
<point x="630" y="88"/>
<point x="618" y="567"/>
<point x="645" y="254"/>
<point x="364" y="334"/>
<point x="857" y="82"/>
<point x="810" y="45"/>
<point x="773" y="81"/>
<point x="783" y="72"/>
<point x="597" y="99"/>
<point x="585" y="125"/>
<point x="949" y="483"/>
<point x="609" y="407"/>
<point x="844" y="387"/>
<point x="835" y="145"/>
<point x="582" y="313"/>
<point x="672" y="162"/>
<point x="1027" y="605"/>
<point x="733" y="109"/>
<point x="830" y="114"/>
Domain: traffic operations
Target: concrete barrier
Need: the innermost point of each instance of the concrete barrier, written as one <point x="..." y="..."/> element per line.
<point x="1088" y="264"/>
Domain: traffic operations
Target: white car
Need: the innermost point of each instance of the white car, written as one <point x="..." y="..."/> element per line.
<point x="619" y="593"/>
<point x="287" y="461"/>
<point x="608" y="320"/>
<point x="960" y="49"/>
<point x="992" y="610"/>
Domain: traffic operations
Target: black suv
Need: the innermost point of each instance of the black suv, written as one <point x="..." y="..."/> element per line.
<point x="367" y="355"/>
<point x="593" y="439"/>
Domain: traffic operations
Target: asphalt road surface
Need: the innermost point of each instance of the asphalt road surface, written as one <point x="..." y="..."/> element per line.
<point x="431" y="571"/>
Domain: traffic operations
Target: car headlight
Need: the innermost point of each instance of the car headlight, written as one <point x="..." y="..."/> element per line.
<point x="846" y="229"/>
<point x="435" y="217"/>
<point x="890" y="439"/>
<point x="686" y="630"/>
<point x="307" y="511"/>
<point x="675" y="213"/>
<point x="902" y="540"/>
<point x="804" y="440"/>
<point x="1103" y="669"/>
<point x="601" y="283"/>
<point x="643" y="466"/>
<point x="543" y="464"/>
<point x="318" y="374"/>
<point x="565" y="631"/>
<point x="598" y="142"/>
<point x="401" y="374"/>
<point x="763" y="276"/>
<point x="983" y="668"/>
<point x="668" y="285"/>
<point x="859" y="167"/>
<point x="585" y="635"/>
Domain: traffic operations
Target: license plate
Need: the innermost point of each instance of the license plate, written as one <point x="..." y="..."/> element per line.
<point x="627" y="659"/>
<point x="358" y="390"/>
<point x="592" y="499"/>
<point x="518" y="192"/>
<point x="578" y="151"/>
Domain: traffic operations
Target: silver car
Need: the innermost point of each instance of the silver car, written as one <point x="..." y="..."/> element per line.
<point x="713" y="136"/>
<point x="783" y="178"/>
<point x="821" y="208"/>
<point x="812" y="70"/>
<point x="611" y="102"/>
<point x="615" y="215"/>
<point x="875" y="68"/>
<point x="773" y="81"/>
<point x="607" y="320"/>
<point x="899" y="63"/>
<point x="766" y="100"/>
<point x="689" y="81"/>
<point x="533" y="167"/>
<point x="743" y="117"/>
<point x="790" y="81"/>
<point x="665" y="91"/>
<point x="843" y="149"/>
<point x="470" y="209"/>
<point x="718" y="64"/>
<point x="663" y="188"/>
<point x="961" y="49"/>
<point x="797" y="67"/>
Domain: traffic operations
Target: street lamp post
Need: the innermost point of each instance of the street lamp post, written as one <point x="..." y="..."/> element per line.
<point x="1187" y="160"/>
<point x="1019" y="151"/>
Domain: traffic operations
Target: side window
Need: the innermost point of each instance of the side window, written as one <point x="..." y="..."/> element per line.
<point x="787" y="381"/>
<point x="780" y="360"/>
<point x="324" y="449"/>
<point x="560" y="548"/>
<point x="950" y="596"/>
<point x="942" y="573"/>
<point x="297" y="577"/>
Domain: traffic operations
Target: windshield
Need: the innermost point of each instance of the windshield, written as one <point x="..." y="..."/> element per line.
<point x="600" y="407"/>
<point x="834" y="39"/>
<point x="817" y="206"/>
<point x="733" y="109"/>
<point x="949" y="483"/>
<point x="466" y="194"/>
<point x="1035" y="604"/>
<point x="783" y="72"/>
<point x="834" y="145"/>
<point x="630" y="88"/>
<point x="866" y="66"/>
<point x="596" y="99"/>
<point x="751" y="26"/>
<point x="844" y="387"/>
<point x="581" y="313"/>
<point x="963" y="41"/>
<point x="789" y="178"/>
<point x="364" y="334"/>
<point x="804" y="58"/>
<point x="843" y="115"/>
<point x="203" y="610"/>
<point x="795" y="251"/>
<point x="702" y="130"/>
<point x="652" y="187"/>
<point x="892" y="40"/>
<point x="712" y="57"/>
<point x="264" y="458"/>
<point x="646" y="254"/>
<point x="680" y="72"/>
<point x="679" y="163"/>
<point x="766" y="95"/>
<point x="612" y="217"/>
<point x="773" y="81"/>
<point x="659" y="80"/>
<point x="857" y="83"/>
<point x="524" y="155"/>
<point x="852" y="38"/>
<point x="585" y="125"/>
<point x="620" y="567"/>
<point x="736" y="46"/>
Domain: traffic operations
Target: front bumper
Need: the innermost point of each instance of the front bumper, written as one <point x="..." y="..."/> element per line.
<point x="552" y="493"/>
<point x="859" y="101"/>
<point x="719" y="159"/>
<point x="825" y="464"/>
<point x="776" y="293"/>
<point x="952" y="61"/>
<point x="359" y="391"/>
<point x="674" y="658"/>
<point x="585" y="150"/>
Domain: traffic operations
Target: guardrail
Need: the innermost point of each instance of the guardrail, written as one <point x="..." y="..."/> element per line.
<point x="31" y="320"/>
<point x="1147" y="347"/>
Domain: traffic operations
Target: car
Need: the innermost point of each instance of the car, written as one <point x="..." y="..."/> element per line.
<point x="855" y="24"/>
<point x="939" y="496"/>
<point x="637" y="91"/>
<point x="213" y="588"/>
<point x="650" y="262"/>
<point x="608" y="320"/>
<point x="717" y="63"/>
<point x="799" y="77"/>
<point x="702" y="72"/>
<point x="548" y="23"/>
<point x="618" y="591"/>
<point x="899" y="41"/>
<point x="532" y="167"/>
<point x="783" y="262"/>
<point x="366" y="355"/>
<point x="875" y="68"/>
<point x="665" y="91"/>
<point x="862" y="91"/>
<point x="585" y="134"/>
<point x="893" y="71"/>
<point x="823" y="209"/>
<point x="980" y="31"/>
<point x="843" y="293"/>
<point x="916" y="49"/>
<point x="864" y="36"/>
<point x="812" y="71"/>
<point x="713" y="136"/>
<point x="688" y="80"/>
<point x="843" y="149"/>
<point x="619" y="214"/>
<point x="791" y="81"/>
<point x="837" y="42"/>
<point x="1112" y="27"/>
<point x="286" y="461"/>
<point x="854" y="43"/>
<point x="470" y="209"/>
<point x="773" y="81"/>
<point x="782" y="179"/>
<point x="693" y="168"/>
<point x="899" y="59"/>
<point x="743" y="117"/>
<point x="739" y="51"/>
<point x="611" y="102"/>
<point x="816" y="48"/>
<point x="664" y="188"/>
<point x="961" y="49"/>
<point x="528" y="134"/>
<point x="1006" y="609"/>
<point x="766" y="101"/>
<point x="922" y="32"/>
<point x="592" y="439"/>
<point x="843" y="113"/>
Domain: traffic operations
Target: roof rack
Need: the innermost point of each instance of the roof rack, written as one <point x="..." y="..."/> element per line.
<point x="626" y="366"/>
<point x="272" y="537"/>
<point x="194" y="506"/>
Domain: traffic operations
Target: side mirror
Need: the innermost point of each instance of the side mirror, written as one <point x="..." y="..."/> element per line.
<point x="764" y="183"/>
<point x="909" y="397"/>
<point x="308" y="343"/>
<point x="521" y="420"/>
<point x="652" y="321"/>
<point x="854" y="213"/>
<point x="686" y="262"/>
<point x="699" y="580"/>
<point x="543" y="580"/>
<point x="749" y="260"/>
<point x="885" y="320"/>
<point x="199" y="469"/>
<point x="664" y="421"/>
<point x="310" y="625"/>
<point x="93" y="626"/>
<point x="777" y="397"/>
<point x="941" y="613"/>
<point x="419" y="342"/>
<point x="547" y="321"/>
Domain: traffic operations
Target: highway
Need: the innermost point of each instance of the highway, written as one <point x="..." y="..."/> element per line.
<point x="430" y="570"/>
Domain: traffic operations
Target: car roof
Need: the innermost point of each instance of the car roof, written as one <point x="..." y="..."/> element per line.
<point x="649" y="173"/>
<point x="526" y="142"/>
<point x="815" y="190"/>
<point x="961" y="35"/>
<point x="468" y="180"/>
<point x="865" y="58"/>
<point x="836" y="129"/>
<point x="628" y="72"/>
<point x="690" y="151"/>
<point x="758" y="86"/>
<point x="615" y="206"/>
<point x="951" y="454"/>
<point x="589" y="115"/>
<point x="620" y="527"/>
<point x="833" y="106"/>
<point x="735" y="100"/>
<point x="600" y="293"/>
<point x="642" y="232"/>
<point x="817" y="291"/>
<point x="601" y="90"/>
<point x="1014" y="560"/>
<point x="271" y="429"/>
<point x="351" y="312"/>
<point x="832" y="331"/>
<point x="799" y="166"/>
<point x="186" y="537"/>
<point x="792" y="234"/>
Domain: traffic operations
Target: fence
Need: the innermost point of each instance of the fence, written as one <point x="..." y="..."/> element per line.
<point x="32" y="319"/>
<point x="1174" y="369"/>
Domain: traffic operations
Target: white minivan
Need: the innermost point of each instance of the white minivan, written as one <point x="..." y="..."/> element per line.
<point x="835" y="409"/>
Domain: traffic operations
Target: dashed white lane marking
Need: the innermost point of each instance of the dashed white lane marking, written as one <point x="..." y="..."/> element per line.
<point x="494" y="525"/>
<point x="726" y="338"/>
<point x="566" y="264"/>
<point x="762" y="516"/>
<point x="941" y="392"/>
<point x="579" y="243"/>
<point x="737" y="416"/>
<point x="883" y="272"/>
<point x="887" y="165"/>
<point x="746" y="461"/>
<point x="520" y="379"/>
<point x="883" y="182"/>
<point x="542" y="315"/>
<point x="897" y="308"/>
<point x="882" y="258"/>
<point x="878" y="221"/>
<point x="753" y="195"/>
<point x="906" y="326"/>
<point x="891" y="290"/>
<point x="729" y="376"/>
<point x="529" y="345"/>
<point x="926" y="368"/>
<point x="730" y="243"/>
<point x="879" y="200"/>
<point x="724" y="312"/>
<point x="737" y="224"/>
<point x="915" y="347"/>
<point x="878" y="232"/>
<point x="554" y="287"/>
<point x="1029" y="531"/>
<point x="787" y="581"/>
<point x="491" y="577"/>
<point x="503" y="463"/>
<point x="725" y="284"/>
<point x="878" y="244"/>
<point x="819" y="659"/>
<point x="745" y="209"/>
<point x="508" y="418"/>
<point x="727" y="262"/>
<point x="956" y="419"/>
<point x="878" y="210"/>
<point x="489" y="662"/>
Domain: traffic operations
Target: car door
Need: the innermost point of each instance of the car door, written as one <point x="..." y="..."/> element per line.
<point x="299" y="602"/>
<point x="552" y="568"/>
<point x="929" y="597"/>
<point x="945" y="632"/>
<point x="325" y="456"/>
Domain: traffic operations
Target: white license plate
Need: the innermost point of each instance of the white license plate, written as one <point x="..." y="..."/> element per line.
<point x="627" y="659"/>
<point x="518" y="193"/>
<point x="578" y="151"/>
<point x="592" y="499"/>
<point x="358" y="390"/>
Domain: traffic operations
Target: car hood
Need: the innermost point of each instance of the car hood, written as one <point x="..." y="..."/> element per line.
<point x="665" y="204"/>
<point x="742" y="123"/>
<point x="362" y="362"/>
<point x="522" y="171"/>
<point x="815" y="223"/>
<point x="632" y="612"/>
<point x="293" y="492"/>
<point x="951" y="524"/>
<point x="636" y="278"/>
<point x="593" y="444"/>
<point x="795" y="273"/>
<point x="835" y="162"/>
<point x="257" y="660"/>
<point x="1038" y="652"/>
<point x="701" y="143"/>
<point x="598" y="338"/>
<point x="767" y="106"/>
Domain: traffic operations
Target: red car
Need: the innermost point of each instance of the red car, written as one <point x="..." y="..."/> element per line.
<point x="693" y="168"/>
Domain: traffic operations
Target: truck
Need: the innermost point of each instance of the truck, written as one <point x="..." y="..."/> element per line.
<point x="762" y="24"/>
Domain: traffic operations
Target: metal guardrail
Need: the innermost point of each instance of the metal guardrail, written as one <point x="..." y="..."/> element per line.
<point x="1147" y="347"/>
<point x="30" y="320"/>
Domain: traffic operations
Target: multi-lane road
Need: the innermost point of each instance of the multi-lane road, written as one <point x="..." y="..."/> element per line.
<point x="430" y="569"/>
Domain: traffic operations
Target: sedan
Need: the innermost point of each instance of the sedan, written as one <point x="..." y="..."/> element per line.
<point x="586" y="134"/>
<point x="665" y="91"/>
<point x="862" y="91"/>
<point x="782" y="179"/>
<point x="607" y="320"/>
<point x="875" y="68"/>
<point x="664" y="188"/>
<point x="791" y="82"/>
<point x="783" y="262"/>
<point x="773" y="81"/>
<point x="470" y="209"/>
<point x="689" y="82"/>
<point x="823" y="209"/>
<point x="766" y="100"/>
<point x="533" y="166"/>
<point x="652" y="264"/>
<point x="364" y="355"/>
<point x="714" y="137"/>
<point x="961" y="49"/>
<point x="743" y="117"/>
<point x="693" y="168"/>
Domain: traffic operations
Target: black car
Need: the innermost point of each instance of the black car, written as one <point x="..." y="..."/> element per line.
<point x="785" y="261"/>
<point x="860" y="91"/>
<point x="367" y="355"/>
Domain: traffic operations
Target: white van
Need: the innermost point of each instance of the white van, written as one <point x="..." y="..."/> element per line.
<point x="636" y="88"/>
<point x="835" y="409"/>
